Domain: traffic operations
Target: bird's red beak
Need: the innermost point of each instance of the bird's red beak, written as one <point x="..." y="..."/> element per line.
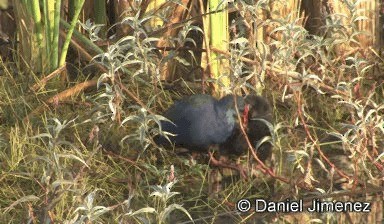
<point x="245" y="116"/>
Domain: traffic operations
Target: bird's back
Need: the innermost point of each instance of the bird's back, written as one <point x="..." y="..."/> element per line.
<point x="198" y="122"/>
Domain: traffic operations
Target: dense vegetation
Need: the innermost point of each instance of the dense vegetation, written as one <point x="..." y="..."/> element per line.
<point x="77" y="124"/>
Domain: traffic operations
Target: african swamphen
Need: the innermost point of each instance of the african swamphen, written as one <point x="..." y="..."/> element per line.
<point x="256" y="130"/>
<point x="200" y="121"/>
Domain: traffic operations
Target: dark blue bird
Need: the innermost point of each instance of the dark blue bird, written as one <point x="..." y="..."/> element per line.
<point x="200" y="121"/>
<point x="256" y="129"/>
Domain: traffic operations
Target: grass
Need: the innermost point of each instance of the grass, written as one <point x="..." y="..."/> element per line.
<point x="91" y="158"/>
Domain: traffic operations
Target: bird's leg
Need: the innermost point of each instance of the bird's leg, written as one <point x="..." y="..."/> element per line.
<point x="219" y="163"/>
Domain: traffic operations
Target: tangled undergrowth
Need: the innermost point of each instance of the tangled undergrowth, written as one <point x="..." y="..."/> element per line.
<point x="92" y="159"/>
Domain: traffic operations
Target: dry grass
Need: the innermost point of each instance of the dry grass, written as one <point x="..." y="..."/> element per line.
<point x="90" y="157"/>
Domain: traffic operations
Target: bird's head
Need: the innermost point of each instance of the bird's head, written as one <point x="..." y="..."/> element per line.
<point x="258" y="107"/>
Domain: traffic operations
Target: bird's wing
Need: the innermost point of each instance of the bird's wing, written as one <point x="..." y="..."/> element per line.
<point x="200" y="101"/>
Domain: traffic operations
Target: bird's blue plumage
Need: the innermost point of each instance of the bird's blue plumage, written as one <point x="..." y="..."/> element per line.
<point x="200" y="121"/>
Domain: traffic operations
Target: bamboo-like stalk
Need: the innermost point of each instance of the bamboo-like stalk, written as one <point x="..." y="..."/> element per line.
<point x="100" y="12"/>
<point x="36" y="15"/>
<point x="35" y="7"/>
<point x="153" y="6"/>
<point x="82" y="38"/>
<point x="178" y="14"/>
<point x="22" y="23"/>
<point x="363" y="8"/>
<point x="49" y="13"/>
<point x="219" y="39"/>
<point x="377" y="27"/>
<point x="205" y="56"/>
<point x="71" y="9"/>
<point x="78" y="8"/>
<point x="55" y="39"/>
<point x="43" y="40"/>
<point x="369" y="24"/>
<point x="100" y="15"/>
